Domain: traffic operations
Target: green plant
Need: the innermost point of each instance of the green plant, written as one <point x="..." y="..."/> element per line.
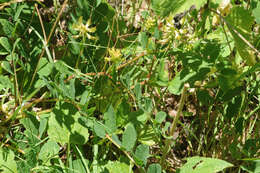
<point x="92" y="86"/>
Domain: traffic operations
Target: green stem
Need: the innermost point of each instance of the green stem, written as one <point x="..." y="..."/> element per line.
<point x="174" y="124"/>
<point x="68" y="154"/>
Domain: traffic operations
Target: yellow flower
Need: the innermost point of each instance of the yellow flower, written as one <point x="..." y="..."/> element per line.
<point x="225" y="7"/>
<point x="150" y="22"/>
<point x="84" y="30"/>
<point x="115" y="55"/>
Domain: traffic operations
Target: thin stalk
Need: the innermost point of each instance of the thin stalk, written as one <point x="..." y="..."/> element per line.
<point x="16" y="90"/>
<point x="81" y="51"/>
<point x="174" y="125"/>
<point x="222" y="24"/>
<point x="68" y="154"/>
<point x="41" y="22"/>
<point x="238" y="34"/>
<point x="48" y="39"/>
<point x="82" y="159"/>
<point x="130" y="158"/>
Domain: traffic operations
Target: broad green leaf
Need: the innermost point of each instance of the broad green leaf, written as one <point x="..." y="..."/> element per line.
<point x="176" y="85"/>
<point x="7" y="162"/>
<point x="5" y="82"/>
<point x="116" y="139"/>
<point x="7" y="27"/>
<point x="31" y="124"/>
<point x="18" y="12"/>
<point x="227" y="79"/>
<point x="204" y="165"/>
<point x="5" y="43"/>
<point x="85" y="96"/>
<point x="118" y="167"/>
<point x="60" y="66"/>
<point x="78" y="166"/>
<point x="142" y="153"/>
<point x="43" y="125"/>
<point x="256" y="13"/>
<point x="64" y="126"/>
<point x="129" y="137"/>
<point x="6" y="65"/>
<point x="68" y="90"/>
<point x="241" y="21"/>
<point x="148" y="105"/>
<point x="138" y="91"/>
<point x="45" y="68"/>
<point x="154" y="168"/>
<point x="110" y="119"/>
<point x="143" y="39"/>
<point x="48" y="151"/>
<point x="160" y="117"/>
<point x="178" y="6"/>
<point x="98" y="2"/>
<point x="3" y="52"/>
<point x="99" y="129"/>
<point x="163" y="74"/>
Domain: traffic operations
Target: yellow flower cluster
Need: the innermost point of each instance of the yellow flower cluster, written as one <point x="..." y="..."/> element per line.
<point x="84" y="29"/>
<point x="150" y="23"/>
<point x="114" y="55"/>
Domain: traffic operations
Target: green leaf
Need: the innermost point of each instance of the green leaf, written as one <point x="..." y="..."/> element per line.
<point x="138" y="91"/>
<point x="154" y="168"/>
<point x="239" y="125"/>
<point x="204" y="165"/>
<point x="110" y="120"/>
<point x="163" y="74"/>
<point x="148" y="136"/>
<point x="176" y="85"/>
<point x="160" y="117"/>
<point x="31" y="124"/>
<point x="45" y="68"/>
<point x="60" y="66"/>
<point x="118" y="167"/>
<point x="48" y="151"/>
<point x="78" y="166"/>
<point x="6" y="65"/>
<point x="64" y="127"/>
<point x="98" y="2"/>
<point x="204" y="97"/>
<point x="256" y="13"/>
<point x="142" y="153"/>
<point x="5" y="82"/>
<point x="178" y="6"/>
<point x="99" y="129"/>
<point x="5" y="43"/>
<point x="129" y="137"/>
<point x="43" y="125"/>
<point x="155" y="4"/>
<point x="241" y="21"/>
<point x="85" y="97"/>
<point x="233" y="107"/>
<point x="7" y="162"/>
<point x="252" y="167"/>
<point x="143" y="39"/>
<point x="7" y="27"/>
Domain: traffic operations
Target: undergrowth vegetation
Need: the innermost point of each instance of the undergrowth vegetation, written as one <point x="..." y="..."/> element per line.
<point x="152" y="86"/>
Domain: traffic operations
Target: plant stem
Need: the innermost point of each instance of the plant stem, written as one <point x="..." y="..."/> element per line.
<point x="128" y="155"/>
<point x="174" y="124"/>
